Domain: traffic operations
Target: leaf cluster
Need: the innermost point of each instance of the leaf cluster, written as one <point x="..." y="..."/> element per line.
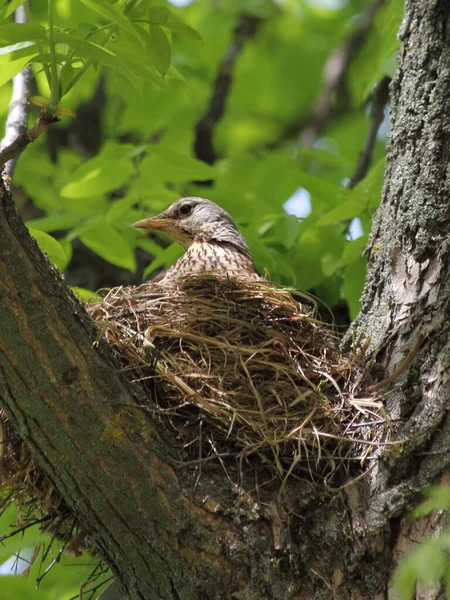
<point x="159" y="79"/>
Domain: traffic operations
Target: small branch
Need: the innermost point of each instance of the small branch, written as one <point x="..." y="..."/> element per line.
<point x="16" y="122"/>
<point x="334" y="75"/>
<point x="245" y="30"/>
<point x="12" y="151"/>
<point x="379" y="100"/>
<point x="23" y="528"/>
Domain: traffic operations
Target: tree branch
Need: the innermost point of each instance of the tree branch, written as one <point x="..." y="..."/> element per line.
<point x="245" y="30"/>
<point x="11" y="152"/>
<point x="334" y="75"/>
<point x="379" y="100"/>
<point x="17" y="120"/>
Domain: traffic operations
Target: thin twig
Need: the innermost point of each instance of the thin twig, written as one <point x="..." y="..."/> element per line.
<point x="245" y="30"/>
<point x="23" y="528"/>
<point x="335" y="72"/>
<point x="16" y="122"/>
<point x="379" y="100"/>
<point x="22" y="140"/>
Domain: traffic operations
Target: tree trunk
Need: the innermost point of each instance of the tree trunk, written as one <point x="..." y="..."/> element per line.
<point x="166" y="537"/>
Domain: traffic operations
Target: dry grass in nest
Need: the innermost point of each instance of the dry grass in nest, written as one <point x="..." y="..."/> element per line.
<point x="244" y="370"/>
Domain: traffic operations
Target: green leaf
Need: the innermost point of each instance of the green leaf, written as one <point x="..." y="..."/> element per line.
<point x="57" y="221"/>
<point x="405" y="581"/>
<point x="166" y="164"/>
<point x="110" y="245"/>
<point x="309" y="252"/>
<point x="90" y="51"/>
<point x="353" y="251"/>
<point x="176" y="25"/>
<point x="10" y="69"/>
<point x="158" y="15"/>
<point x="329" y="194"/>
<point x="372" y="183"/>
<point x="10" y="7"/>
<point x="155" y="200"/>
<point x="438" y="499"/>
<point x="51" y="247"/>
<point x="175" y="74"/>
<point x="286" y="230"/>
<point x="345" y="211"/>
<point x="114" y="14"/>
<point x="85" y="295"/>
<point x="119" y="208"/>
<point x="160" y="49"/>
<point x="21" y="32"/>
<point x="100" y="180"/>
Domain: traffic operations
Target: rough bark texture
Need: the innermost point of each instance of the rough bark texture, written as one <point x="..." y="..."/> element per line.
<point x="166" y="538"/>
<point x="406" y="300"/>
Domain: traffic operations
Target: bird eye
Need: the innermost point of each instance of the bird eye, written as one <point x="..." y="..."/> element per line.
<point x="186" y="209"/>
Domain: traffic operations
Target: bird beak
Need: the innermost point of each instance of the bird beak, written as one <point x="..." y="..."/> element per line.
<point x="153" y="223"/>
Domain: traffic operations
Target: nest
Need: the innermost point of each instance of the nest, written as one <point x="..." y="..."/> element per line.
<point x="243" y="371"/>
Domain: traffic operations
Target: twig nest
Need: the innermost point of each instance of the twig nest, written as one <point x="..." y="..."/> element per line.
<point x="245" y="370"/>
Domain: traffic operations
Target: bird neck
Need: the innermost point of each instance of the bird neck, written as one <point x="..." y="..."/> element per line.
<point x="212" y="257"/>
<point x="224" y="234"/>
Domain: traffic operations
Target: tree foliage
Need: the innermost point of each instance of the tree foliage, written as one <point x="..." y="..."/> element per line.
<point x="158" y="67"/>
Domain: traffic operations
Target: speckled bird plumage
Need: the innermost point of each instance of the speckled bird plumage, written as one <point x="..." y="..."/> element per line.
<point x="210" y="236"/>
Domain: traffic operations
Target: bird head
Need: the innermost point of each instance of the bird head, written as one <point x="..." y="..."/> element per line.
<point x="194" y="219"/>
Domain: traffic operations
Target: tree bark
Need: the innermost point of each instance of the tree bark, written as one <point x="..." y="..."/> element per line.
<point x="166" y="537"/>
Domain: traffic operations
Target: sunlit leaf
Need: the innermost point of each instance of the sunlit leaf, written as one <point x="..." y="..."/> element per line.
<point x="171" y="165"/>
<point x="175" y="24"/>
<point x="158" y="15"/>
<point x="160" y="48"/>
<point x="438" y="498"/>
<point x="108" y="243"/>
<point x="51" y="247"/>
<point x="97" y="53"/>
<point x="113" y="13"/>
<point x="10" y="69"/>
<point x="21" y="32"/>
<point x="345" y="211"/>
<point x="10" y="7"/>
<point x="286" y="230"/>
<point x="99" y="180"/>
<point x="56" y="221"/>
<point x="85" y="295"/>
<point x="119" y="209"/>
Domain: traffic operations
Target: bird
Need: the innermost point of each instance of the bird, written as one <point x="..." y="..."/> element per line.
<point x="213" y="244"/>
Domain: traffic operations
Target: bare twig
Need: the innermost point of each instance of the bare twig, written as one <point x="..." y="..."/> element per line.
<point x="335" y="72"/>
<point x="16" y="122"/>
<point x="379" y="100"/>
<point x="12" y="151"/>
<point x="245" y="30"/>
